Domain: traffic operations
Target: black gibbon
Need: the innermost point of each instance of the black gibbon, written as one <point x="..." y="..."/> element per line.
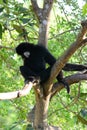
<point x="35" y="58"/>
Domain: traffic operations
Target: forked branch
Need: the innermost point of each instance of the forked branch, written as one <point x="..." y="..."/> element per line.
<point x="60" y="63"/>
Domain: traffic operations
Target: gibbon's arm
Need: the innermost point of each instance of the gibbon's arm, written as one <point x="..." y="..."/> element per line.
<point x="49" y="58"/>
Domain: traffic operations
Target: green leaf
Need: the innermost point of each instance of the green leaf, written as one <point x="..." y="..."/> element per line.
<point x="84" y="9"/>
<point x="25" y="20"/>
<point x="5" y="1"/>
<point x="0" y="31"/>
<point x="83" y="94"/>
<point x="1" y="1"/>
<point x="1" y="9"/>
<point x="18" y="28"/>
<point x="22" y="9"/>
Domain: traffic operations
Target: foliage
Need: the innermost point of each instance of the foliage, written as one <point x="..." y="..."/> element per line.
<point x="17" y="24"/>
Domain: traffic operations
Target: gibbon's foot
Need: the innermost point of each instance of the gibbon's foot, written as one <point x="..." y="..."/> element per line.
<point x="33" y="79"/>
<point x="65" y="85"/>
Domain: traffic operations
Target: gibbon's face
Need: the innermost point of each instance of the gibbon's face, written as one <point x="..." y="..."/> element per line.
<point x="26" y="54"/>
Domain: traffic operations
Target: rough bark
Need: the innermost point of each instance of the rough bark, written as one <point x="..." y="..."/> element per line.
<point x="40" y="122"/>
<point x="43" y="16"/>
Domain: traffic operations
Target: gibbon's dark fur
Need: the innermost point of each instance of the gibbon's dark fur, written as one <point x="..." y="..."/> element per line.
<point x="35" y="63"/>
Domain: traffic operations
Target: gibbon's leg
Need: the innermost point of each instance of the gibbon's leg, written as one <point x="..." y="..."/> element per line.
<point x="61" y="80"/>
<point x="26" y="72"/>
<point x="44" y="75"/>
<point x="29" y="75"/>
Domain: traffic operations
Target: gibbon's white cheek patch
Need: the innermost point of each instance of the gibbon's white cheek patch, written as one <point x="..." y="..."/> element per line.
<point x="27" y="54"/>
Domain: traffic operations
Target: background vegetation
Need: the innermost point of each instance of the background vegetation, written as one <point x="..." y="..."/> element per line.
<point x="18" y="23"/>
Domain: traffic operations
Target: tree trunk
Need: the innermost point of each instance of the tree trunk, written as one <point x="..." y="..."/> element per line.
<point x="43" y="32"/>
<point x="41" y="110"/>
<point x="42" y="102"/>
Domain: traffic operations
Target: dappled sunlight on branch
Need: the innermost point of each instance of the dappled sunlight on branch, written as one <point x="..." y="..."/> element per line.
<point x="16" y="94"/>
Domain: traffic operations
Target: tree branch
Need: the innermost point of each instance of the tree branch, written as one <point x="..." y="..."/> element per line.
<point x="70" y="80"/>
<point x="47" y="7"/>
<point x="16" y="94"/>
<point x="9" y="48"/>
<point x="43" y="15"/>
<point x="37" y="10"/>
<point x="60" y="63"/>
